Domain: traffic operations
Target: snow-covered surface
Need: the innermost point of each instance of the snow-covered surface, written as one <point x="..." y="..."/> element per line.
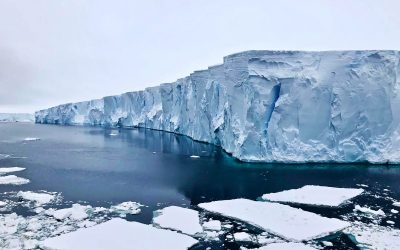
<point x="269" y="106"/>
<point x="286" y="246"/>
<point x="120" y="234"/>
<point x="181" y="219"/>
<point x="212" y="225"/>
<point x="16" y="117"/>
<point x="13" y="180"/>
<point x="10" y="170"/>
<point x="281" y="220"/>
<point x="375" y="237"/>
<point x="127" y="207"/>
<point x="315" y="195"/>
<point x="39" y="198"/>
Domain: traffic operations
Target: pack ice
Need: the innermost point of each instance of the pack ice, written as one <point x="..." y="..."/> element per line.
<point x="269" y="106"/>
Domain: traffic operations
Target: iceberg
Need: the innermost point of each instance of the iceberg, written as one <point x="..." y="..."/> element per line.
<point x="120" y="234"/>
<point x="290" y="223"/>
<point x="315" y="195"/>
<point x="269" y="106"/>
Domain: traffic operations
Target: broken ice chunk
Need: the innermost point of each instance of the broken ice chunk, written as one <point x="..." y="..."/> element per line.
<point x="10" y="170"/>
<point x="127" y="207"/>
<point x="286" y="246"/>
<point x="315" y="195"/>
<point x="181" y="219"/>
<point x="212" y="225"/>
<point x="39" y="198"/>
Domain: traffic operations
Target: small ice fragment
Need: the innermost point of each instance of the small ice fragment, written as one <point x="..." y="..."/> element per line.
<point x="181" y="219"/>
<point x="286" y="246"/>
<point x="31" y="139"/>
<point x="194" y="156"/>
<point x="327" y="243"/>
<point x="368" y="210"/>
<point x="362" y="185"/>
<point x="13" y="180"/>
<point x="10" y="170"/>
<point x="3" y="203"/>
<point x="315" y="195"/>
<point x="243" y="237"/>
<point x="76" y="212"/>
<point x="394" y="211"/>
<point x="113" y="134"/>
<point x="212" y="225"/>
<point x="127" y="207"/>
<point x="390" y="222"/>
<point x="125" y="236"/>
<point x="39" y="198"/>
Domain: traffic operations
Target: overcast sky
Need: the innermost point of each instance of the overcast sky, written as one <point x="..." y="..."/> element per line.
<point x="58" y="51"/>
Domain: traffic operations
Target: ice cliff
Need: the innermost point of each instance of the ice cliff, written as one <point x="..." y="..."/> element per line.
<point x="269" y="106"/>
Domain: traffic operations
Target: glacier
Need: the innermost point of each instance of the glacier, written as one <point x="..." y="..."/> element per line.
<point x="269" y="106"/>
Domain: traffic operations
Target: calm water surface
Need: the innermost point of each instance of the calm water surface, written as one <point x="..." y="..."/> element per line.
<point x="87" y="164"/>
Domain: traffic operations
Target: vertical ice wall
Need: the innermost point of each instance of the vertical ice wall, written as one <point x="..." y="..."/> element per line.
<point x="286" y="106"/>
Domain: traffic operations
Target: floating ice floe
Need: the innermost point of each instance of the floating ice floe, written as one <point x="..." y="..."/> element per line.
<point x="368" y="236"/>
<point x="212" y="225"/>
<point x="290" y="223"/>
<point x="368" y="210"/>
<point x="315" y="195"/>
<point x="76" y="212"/>
<point x="194" y="156"/>
<point x="4" y="156"/>
<point x="10" y="170"/>
<point x="396" y="204"/>
<point x="3" y="203"/>
<point x="180" y="219"/>
<point x="13" y="180"/>
<point x="394" y="211"/>
<point x="120" y="234"/>
<point x="127" y="207"/>
<point x="286" y="246"/>
<point x="244" y="237"/>
<point x="31" y="139"/>
<point x="39" y="198"/>
<point x="113" y="134"/>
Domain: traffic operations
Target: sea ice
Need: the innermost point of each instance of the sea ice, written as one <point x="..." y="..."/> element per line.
<point x="290" y="223"/>
<point x="13" y="180"/>
<point x="181" y="219"/>
<point x="212" y="225"/>
<point x="396" y="204"/>
<point x="120" y="234"/>
<point x="39" y="198"/>
<point x="127" y="207"/>
<point x="315" y="195"/>
<point x="286" y="246"/>
<point x="10" y="170"/>
<point x="194" y="156"/>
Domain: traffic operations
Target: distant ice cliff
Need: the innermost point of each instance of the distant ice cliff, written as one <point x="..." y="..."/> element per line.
<point x="269" y="106"/>
<point x="16" y="117"/>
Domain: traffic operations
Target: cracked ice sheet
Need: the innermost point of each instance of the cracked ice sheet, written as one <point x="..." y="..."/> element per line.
<point x="315" y="195"/>
<point x="178" y="218"/>
<point x="120" y="234"/>
<point x="290" y="223"/>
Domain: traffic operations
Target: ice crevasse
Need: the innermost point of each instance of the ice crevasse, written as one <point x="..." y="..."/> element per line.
<point x="269" y="106"/>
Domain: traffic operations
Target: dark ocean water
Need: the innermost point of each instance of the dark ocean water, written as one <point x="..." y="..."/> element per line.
<point x="87" y="164"/>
